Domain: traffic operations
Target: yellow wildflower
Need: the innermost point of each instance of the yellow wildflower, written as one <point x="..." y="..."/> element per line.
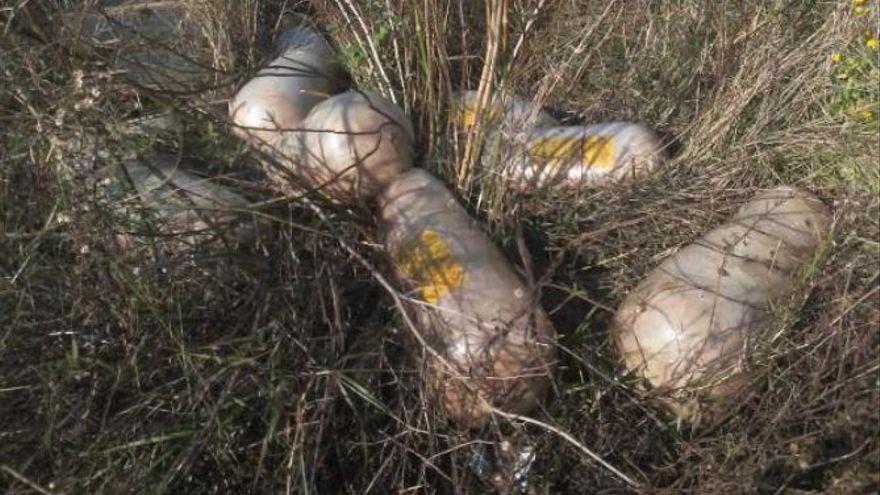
<point x="836" y="57"/>
<point x="873" y="43"/>
<point x="866" y="114"/>
<point x="860" y="10"/>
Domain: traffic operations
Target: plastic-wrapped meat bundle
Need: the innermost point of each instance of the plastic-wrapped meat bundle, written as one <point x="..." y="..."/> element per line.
<point x="686" y="328"/>
<point x="354" y="145"/>
<point x="155" y="200"/>
<point x="495" y="346"/>
<point x="285" y="90"/>
<point x="535" y="151"/>
<point x="163" y="46"/>
<point x="577" y="155"/>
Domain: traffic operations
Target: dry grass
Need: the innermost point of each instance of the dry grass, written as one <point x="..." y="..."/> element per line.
<point x="282" y="367"/>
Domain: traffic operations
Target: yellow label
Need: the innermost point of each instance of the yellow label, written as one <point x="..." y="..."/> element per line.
<point x="429" y="263"/>
<point x="468" y="116"/>
<point x="590" y="151"/>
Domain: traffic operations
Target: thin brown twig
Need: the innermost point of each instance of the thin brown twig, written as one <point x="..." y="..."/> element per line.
<point x="570" y="439"/>
<point x="19" y="477"/>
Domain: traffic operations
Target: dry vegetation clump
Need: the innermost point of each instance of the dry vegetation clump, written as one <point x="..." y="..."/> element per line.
<point x="280" y="365"/>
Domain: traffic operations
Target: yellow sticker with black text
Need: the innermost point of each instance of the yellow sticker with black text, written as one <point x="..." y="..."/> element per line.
<point x="430" y="265"/>
<point x="589" y="151"/>
<point x="468" y="115"/>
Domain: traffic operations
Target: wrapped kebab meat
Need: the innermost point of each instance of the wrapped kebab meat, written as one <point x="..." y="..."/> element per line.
<point x="163" y="46"/>
<point x="573" y="156"/>
<point x="158" y="201"/>
<point x="284" y="91"/>
<point x="511" y="114"/>
<point x="352" y="145"/>
<point x="687" y="327"/>
<point x="535" y="151"/>
<point x="494" y="346"/>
